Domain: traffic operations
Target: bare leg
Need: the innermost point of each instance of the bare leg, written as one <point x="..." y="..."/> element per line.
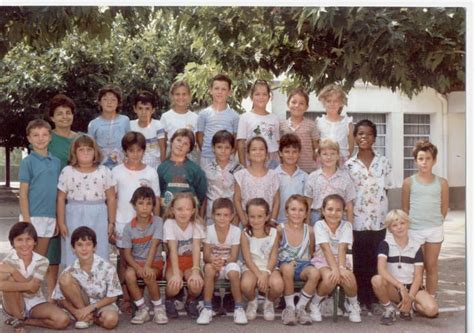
<point x="171" y="292"/>
<point x="131" y="280"/>
<point x="426" y="304"/>
<point x="193" y="292"/>
<point x="234" y="278"/>
<point x="311" y="276"/>
<point x="350" y="287"/>
<point x="431" y="254"/>
<point x="276" y="286"/>
<point x="325" y="287"/>
<point x="48" y="315"/>
<point x="248" y="284"/>
<point x="288" y="275"/>
<point x="51" y="279"/>
<point x="107" y="319"/>
<point x="42" y="246"/>
<point x="209" y="277"/>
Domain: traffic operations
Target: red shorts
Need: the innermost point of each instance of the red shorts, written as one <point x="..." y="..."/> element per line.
<point x="184" y="263"/>
<point x="157" y="265"/>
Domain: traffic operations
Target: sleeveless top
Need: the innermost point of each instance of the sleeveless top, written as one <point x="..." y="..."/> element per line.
<point x="261" y="248"/>
<point x="425" y="204"/>
<point x="336" y="131"/>
<point x="288" y="252"/>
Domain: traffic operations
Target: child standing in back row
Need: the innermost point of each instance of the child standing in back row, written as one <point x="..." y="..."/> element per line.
<point x="38" y="176"/>
<point x="144" y="106"/>
<point x="218" y="116"/>
<point x="371" y="174"/>
<point x="304" y="128"/>
<point x="333" y="125"/>
<point x="259" y="122"/>
<point x="109" y="128"/>
<point x="425" y="197"/>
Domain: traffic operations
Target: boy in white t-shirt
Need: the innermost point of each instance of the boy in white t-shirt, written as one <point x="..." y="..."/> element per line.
<point x="144" y="106"/>
<point x="220" y="252"/>
<point x="129" y="176"/>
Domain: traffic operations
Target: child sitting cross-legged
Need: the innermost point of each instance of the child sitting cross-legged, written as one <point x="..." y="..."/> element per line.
<point x="400" y="272"/>
<point x="89" y="287"/>
<point x="221" y="248"/>
<point x="142" y="242"/>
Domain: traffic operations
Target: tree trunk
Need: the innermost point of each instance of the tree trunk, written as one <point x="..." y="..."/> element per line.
<point x="7" y="166"/>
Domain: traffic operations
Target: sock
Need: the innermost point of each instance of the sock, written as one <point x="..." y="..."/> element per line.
<point x="317" y="299"/>
<point x="140" y="303"/>
<point x="208" y="305"/>
<point x="387" y="305"/>
<point x="268" y="301"/>
<point x="238" y="305"/>
<point x="156" y="304"/>
<point x="290" y="300"/>
<point x="352" y="300"/>
<point x="304" y="299"/>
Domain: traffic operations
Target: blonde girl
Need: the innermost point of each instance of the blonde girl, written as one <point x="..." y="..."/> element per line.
<point x="304" y="128"/>
<point x="296" y="239"/>
<point x="256" y="181"/>
<point x="259" y="244"/>
<point x="179" y="116"/>
<point x="333" y="124"/>
<point x="333" y="236"/>
<point x="89" y="190"/>
<point x="183" y="232"/>
<point x="259" y="122"/>
<point x="330" y="179"/>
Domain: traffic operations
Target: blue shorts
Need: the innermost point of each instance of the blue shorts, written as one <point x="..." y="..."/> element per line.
<point x="299" y="265"/>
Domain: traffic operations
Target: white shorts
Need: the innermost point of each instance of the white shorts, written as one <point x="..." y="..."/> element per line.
<point x="119" y="227"/>
<point x="44" y="226"/>
<point x="223" y="273"/>
<point x="428" y="235"/>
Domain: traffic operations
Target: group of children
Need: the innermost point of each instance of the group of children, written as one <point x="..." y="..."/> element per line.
<point x="259" y="220"/>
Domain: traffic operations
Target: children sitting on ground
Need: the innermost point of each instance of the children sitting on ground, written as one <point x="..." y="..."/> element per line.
<point x="38" y="177"/>
<point x="144" y="105"/>
<point x="142" y="245"/>
<point x="292" y="178"/>
<point x="400" y="273"/>
<point x="220" y="252"/>
<point x="183" y="232"/>
<point x="220" y="171"/>
<point x="259" y="244"/>
<point x="109" y="128"/>
<point x="333" y="237"/>
<point x="218" y="116"/>
<point x="21" y="273"/>
<point x="89" y="287"/>
<point x="294" y="260"/>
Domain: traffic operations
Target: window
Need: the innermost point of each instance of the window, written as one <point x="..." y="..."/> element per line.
<point x="415" y="127"/>
<point x="379" y="119"/>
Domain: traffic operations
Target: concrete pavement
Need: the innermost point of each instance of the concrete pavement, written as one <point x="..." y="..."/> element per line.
<point x="452" y="287"/>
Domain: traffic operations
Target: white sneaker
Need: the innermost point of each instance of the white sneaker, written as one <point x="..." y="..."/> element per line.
<point x="251" y="311"/>
<point x="160" y="315"/>
<point x="315" y="311"/>
<point x="268" y="311"/>
<point x="239" y="317"/>
<point x="82" y="324"/>
<point x="141" y="316"/>
<point x="205" y="317"/>
<point x="354" y="311"/>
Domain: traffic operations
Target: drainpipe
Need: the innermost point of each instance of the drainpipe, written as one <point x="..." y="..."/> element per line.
<point x="444" y="137"/>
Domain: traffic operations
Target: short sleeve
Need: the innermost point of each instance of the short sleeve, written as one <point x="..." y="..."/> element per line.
<point x="239" y="175"/>
<point x="419" y="257"/>
<point x="155" y="182"/>
<point x="160" y="131"/>
<point x="346" y="236"/>
<point x="24" y="175"/>
<point x="198" y="231"/>
<point x="383" y="249"/>
<point x="127" y="237"/>
<point x="388" y="175"/>
<point x="201" y="121"/>
<point x="350" y="192"/>
<point x="200" y="184"/>
<point x="158" y="233"/>
<point x="62" y="181"/>
<point x="320" y="233"/>
<point x="113" y="283"/>
<point x="308" y="187"/>
<point x="57" y="293"/>
<point x="168" y="230"/>
<point x="126" y="121"/>
<point x="109" y="179"/>
<point x="235" y="235"/>
<point x="242" y="128"/>
<point x="314" y="132"/>
<point x="235" y="122"/>
<point x="41" y="268"/>
<point x="91" y="129"/>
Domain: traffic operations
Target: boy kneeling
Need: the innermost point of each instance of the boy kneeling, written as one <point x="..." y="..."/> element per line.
<point x="21" y="274"/>
<point x="89" y="287"/>
<point x="400" y="272"/>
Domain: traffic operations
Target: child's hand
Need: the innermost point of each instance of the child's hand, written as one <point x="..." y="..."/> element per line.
<point x="334" y="276"/>
<point x="195" y="280"/>
<point x="175" y="282"/>
<point x="148" y="272"/>
<point x="62" y="230"/>
<point x="217" y="263"/>
<point x="262" y="281"/>
<point x="82" y="314"/>
<point x="345" y="275"/>
<point x="33" y="285"/>
<point x="110" y="230"/>
<point x="405" y="304"/>
<point x="6" y="268"/>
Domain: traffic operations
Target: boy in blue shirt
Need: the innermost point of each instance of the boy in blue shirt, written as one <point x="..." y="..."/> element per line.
<point x="38" y="176"/>
<point x="218" y="116"/>
<point x="109" y="128"/>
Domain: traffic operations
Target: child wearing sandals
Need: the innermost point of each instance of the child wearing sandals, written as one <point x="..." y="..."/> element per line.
<point x="400" y="272"/>
<point x="260" y="250"/>
<point x="295" y="260"/>
<point x="333" y="236"/>
<point x="21" y="275"/>
<point x="220" y="252"/>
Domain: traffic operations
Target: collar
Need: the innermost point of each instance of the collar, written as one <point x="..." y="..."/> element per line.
<point x="391" y="241"/>
<point x="95" y="263"/>
<point x="41" y="157"/>
<point x="227" y="107"/>
<point x="338" y="172"/>
<point x="134" y="222"/>
<point x="280" y="171"/>
<point x="35" y="256"/>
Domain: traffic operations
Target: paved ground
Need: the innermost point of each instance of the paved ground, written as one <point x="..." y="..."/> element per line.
<point x="452" y="285"/>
